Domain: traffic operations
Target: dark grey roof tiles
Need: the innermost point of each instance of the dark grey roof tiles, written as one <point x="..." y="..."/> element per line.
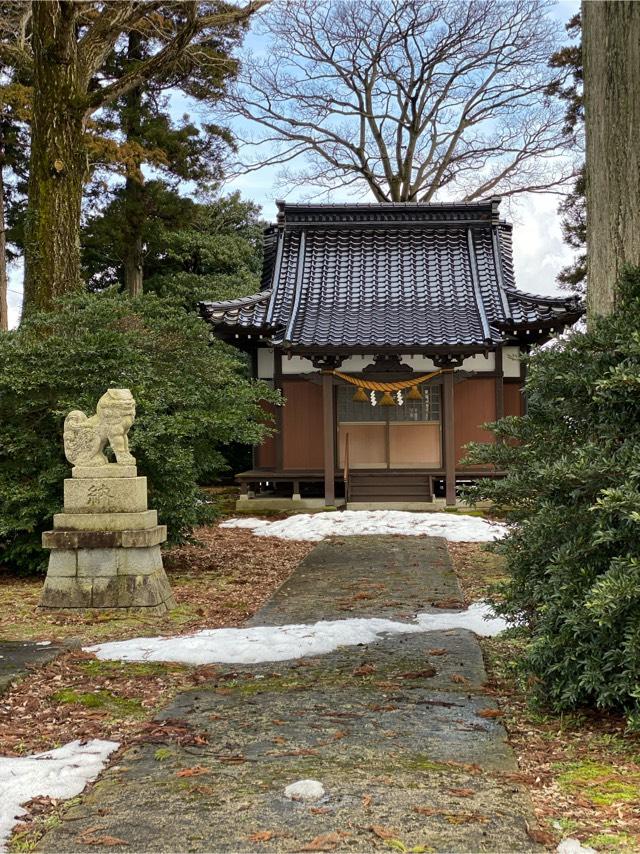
<point x="247" y="312"/>
<point x="389" y="275"/>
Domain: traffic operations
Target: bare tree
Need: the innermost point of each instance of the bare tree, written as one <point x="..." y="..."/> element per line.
<point x="406" y="98"/>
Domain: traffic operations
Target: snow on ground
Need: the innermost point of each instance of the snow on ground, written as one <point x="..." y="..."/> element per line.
<point x="279" y="643"/>
<point x="60" y="773"/>
<point x="317" y="526"/>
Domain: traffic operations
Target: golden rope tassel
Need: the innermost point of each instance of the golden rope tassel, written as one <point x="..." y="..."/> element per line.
<point x="360" y="395"/>
<point x="414" y="393"/>
<point x="387" y="400"/>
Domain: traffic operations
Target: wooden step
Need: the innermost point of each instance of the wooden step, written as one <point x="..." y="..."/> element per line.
<point x="389" y="485"/>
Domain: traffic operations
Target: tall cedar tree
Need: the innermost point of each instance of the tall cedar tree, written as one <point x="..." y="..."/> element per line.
<point x="15" y="101"/>
<point x="68" y="46"/>
<point x="611" y="52"/>
<point x="136" y="132"/>
<point x="573" y="209"/>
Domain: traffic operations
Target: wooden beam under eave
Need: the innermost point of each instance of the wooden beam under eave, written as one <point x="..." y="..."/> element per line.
<point x="328" y="422"/>
<point x="449" y="439"/>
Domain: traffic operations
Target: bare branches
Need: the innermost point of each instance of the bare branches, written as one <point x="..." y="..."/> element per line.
<point x="407" y="97"/>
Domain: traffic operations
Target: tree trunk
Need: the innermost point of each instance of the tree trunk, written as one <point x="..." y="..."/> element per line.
<point x="611" y="51"/>
<point x="134" y="189"/>
<point x="4" y="308"/>
<point x="58" y="163"/>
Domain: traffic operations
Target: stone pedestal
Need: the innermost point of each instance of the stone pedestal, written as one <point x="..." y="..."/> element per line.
<point x="105" y="546"/>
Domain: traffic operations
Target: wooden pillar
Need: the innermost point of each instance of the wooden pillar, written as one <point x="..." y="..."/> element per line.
<point x="523" y="381"/>
<point x="449" y="439"/>
<point x="277" y="383"/>
<point x="329" y="440"/>
<point x="499" y="385"/>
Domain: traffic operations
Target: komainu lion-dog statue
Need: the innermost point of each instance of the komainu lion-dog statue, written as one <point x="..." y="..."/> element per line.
<point x="86" y="438"/>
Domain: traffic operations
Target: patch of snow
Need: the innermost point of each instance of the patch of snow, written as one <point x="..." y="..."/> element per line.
<point x="305" y="790"/>
<point x="43" y="643"/>
<point x="314" y="527"/>
<point x="60" y="773"/>
<point x="278" y="643"/>
<point x="574" y="846"/>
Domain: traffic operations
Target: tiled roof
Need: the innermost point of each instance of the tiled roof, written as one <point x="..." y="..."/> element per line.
<point x="390" y="276"/>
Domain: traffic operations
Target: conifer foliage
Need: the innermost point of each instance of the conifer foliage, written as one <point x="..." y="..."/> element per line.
<point x="572" y="493"/>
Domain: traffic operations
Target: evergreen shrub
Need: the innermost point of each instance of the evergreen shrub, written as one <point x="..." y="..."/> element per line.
<point x="572" y="495"/>
<point x="193" y="396"/>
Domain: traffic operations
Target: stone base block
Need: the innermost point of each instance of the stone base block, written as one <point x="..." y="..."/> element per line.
<point x="104" y="539"/>
<point x="105" y="521"/>
<point x="105" y="495"/>
<point x="121" y="578"/>
<point x="110" y="470"/>
<point x="121" y="592"/>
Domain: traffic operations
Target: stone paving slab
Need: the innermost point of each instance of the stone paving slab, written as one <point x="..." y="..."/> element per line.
<point x="17" y="657"/>
<point x="394" y="730"/>
<point x="387" y="576"/>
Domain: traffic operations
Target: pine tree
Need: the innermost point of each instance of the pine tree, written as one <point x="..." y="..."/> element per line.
<point x="70" y="47"/>
<point x="136" y="136"/>
<point x="193" y="250"/>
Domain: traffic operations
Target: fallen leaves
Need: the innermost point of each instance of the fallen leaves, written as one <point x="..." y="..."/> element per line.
<point x="542" y="837"/>
<point x="461" y="793"/>
<point x="88" y="838"/>
<point x="365" y="670"/>
<point x="196" y="771"/>
<point x="219" y="580"/>
<point x="437" y="650"/>
<point x="383" y="832"/>
<point x="489" y="713"/>
<point x="325" y="841"/>
<point x="425" y="673"/>
<point x="452" y="602"/>
<point x="261" y="836"/>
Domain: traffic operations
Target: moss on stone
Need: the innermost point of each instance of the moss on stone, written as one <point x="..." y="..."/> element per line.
<point x="112" y="668"/>
<point x="119" y="707"/>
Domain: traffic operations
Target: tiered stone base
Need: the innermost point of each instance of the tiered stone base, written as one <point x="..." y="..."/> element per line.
<point x="105" y="549"/>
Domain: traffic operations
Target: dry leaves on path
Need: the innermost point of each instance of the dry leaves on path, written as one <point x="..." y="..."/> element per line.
<point x="325" y="841"/>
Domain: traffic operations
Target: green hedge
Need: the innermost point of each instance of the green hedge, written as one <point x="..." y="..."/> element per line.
<point x="193" y="396"/>
<point x="573" y="553"/>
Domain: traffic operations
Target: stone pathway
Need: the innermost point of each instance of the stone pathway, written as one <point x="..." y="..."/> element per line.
<point x="396" y="731"/>
<point x="17" y="657"/>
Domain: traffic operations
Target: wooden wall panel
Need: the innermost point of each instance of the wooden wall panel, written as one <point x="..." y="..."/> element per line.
<point x="513" y="399"/>
<point x="265" y="455"/>
<point x="474" y="404"/>
<point x="302" y="425"/>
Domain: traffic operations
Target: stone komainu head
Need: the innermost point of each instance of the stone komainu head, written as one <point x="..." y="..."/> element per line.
<point x="86" y="438"/>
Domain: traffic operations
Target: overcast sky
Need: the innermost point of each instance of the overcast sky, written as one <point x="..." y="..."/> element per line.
<point x="539" y="250"/>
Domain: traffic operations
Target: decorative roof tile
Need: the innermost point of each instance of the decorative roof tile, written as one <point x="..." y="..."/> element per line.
<point x="408" y="276"/>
